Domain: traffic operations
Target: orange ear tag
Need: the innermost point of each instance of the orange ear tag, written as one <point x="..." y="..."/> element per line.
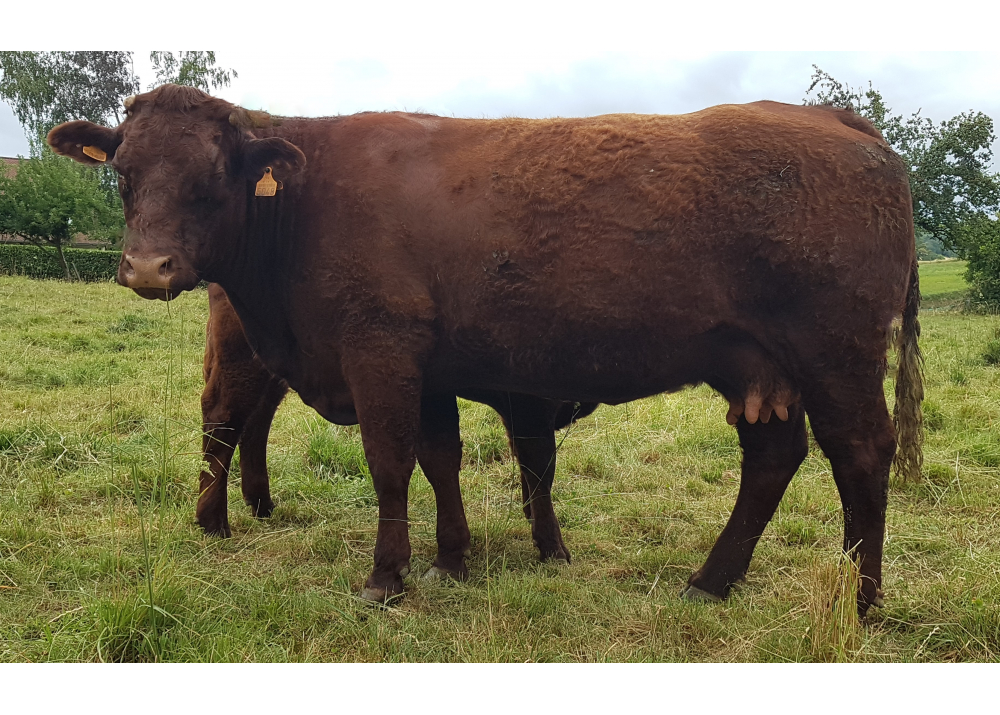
<point x="95" y="153"/>
<point x="267" y="185"/>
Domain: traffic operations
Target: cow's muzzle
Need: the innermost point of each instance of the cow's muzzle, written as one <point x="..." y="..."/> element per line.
<point x="159" y="277"/>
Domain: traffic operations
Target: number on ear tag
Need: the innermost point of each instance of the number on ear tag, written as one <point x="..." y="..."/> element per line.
<point x="267" y="185"/>
<point x="95" y="153"/>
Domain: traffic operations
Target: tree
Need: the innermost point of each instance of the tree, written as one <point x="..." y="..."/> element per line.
<point x="51" y="199"/>
<point x="47" y="88"/>
<point x="191" y="68"/>
<point x="979" y="244"/>
<point x="930" y="248"/>
<point x="948" y="162"/>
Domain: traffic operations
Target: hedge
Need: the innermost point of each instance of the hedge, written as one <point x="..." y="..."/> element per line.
<point x="26" y="260"/>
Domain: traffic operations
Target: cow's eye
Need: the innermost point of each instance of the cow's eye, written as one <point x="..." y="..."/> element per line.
<point x="207" y="199"/>
<point x="207" y="193"/>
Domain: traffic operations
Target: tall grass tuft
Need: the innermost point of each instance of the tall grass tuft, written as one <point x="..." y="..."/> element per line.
<point x="129" y="629"/>
<point x="991" y="353"/>
<point x="486" y="442"/>
<point x="335" y="452"/>
<point x="132" y="627"/>
<point x="834" y="632"/>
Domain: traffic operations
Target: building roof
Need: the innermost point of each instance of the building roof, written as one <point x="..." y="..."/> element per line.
<point x="9" y="161"/>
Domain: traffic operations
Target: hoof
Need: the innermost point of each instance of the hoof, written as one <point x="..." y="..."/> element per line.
<point x="436" y="573"/>
<point x="379" y="596"/>
<point x="693" y="593"/>
<point x="375" y="592"/>
<point x="261" y="510"/>
<point x="865" y="604"/>
<point x="558" y="555"/>
<point x="440" y="570"/>
<point x="220" y="530"/>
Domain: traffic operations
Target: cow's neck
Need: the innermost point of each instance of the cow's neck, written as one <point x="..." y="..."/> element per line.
<point x="256" y="271"/>
<point x="265" y="269"/>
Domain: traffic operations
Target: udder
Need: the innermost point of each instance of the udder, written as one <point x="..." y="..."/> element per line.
<point x="751" y="379"/>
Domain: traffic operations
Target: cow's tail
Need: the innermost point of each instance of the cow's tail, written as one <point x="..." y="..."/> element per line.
<point x="907" y="415"/>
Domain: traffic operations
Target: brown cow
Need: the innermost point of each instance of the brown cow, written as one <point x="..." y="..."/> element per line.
<point x="764" y="249"/>
<point x="241" y="397"/>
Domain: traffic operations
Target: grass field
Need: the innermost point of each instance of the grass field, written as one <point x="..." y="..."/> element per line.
<point x="942" y="284"/>
<point x="99" y="439"/>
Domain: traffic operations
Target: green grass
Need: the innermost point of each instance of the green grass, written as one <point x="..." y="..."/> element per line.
<point x="942" y="284"/>
<point x="100" y="558"/>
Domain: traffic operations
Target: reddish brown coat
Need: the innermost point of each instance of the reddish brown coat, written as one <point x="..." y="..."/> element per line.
<point x="764" y="249"/>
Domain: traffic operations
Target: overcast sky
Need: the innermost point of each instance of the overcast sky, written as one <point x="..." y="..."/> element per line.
<point x="536" y="60"/>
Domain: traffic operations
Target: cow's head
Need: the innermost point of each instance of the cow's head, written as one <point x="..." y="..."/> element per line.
<point x="185" y="162"/>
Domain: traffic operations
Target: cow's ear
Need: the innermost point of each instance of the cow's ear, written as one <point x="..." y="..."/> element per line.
<point x="86" y="142"/>
<point x="285" y="157"/>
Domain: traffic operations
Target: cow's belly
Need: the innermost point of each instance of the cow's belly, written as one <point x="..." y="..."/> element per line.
<point x="610" y="366"/>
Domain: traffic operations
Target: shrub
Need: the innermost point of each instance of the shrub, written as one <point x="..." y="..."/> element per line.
<point x="34" y="262"/>
<point x="979" y="243"/>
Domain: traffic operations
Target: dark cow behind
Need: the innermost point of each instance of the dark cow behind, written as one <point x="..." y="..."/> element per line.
<point x="239" y="403"/>
<point x="765" y="249"/>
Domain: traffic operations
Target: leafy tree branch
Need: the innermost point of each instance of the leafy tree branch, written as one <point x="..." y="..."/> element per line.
<point x="191" y="68"/>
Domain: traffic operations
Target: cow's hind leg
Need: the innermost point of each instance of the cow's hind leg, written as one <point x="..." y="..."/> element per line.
<point x="221" y="431"/>
<point x="234" y="385"/>
<point x="852" y="425"/>
<point x="566" y="414"/>
<point x="439" y="452"/>
<point x="233" y="391"/>
<point x="530" y="423"/>
<point x="254" y="479"/>
<point x="772" y="453"/>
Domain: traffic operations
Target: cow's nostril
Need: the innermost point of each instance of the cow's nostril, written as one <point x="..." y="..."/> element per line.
<point x="140" y="272"/>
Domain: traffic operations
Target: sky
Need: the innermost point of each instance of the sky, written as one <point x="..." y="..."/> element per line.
<point x="558" y="59"/>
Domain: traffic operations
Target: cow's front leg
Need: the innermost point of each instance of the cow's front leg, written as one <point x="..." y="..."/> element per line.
<point x="439" y="451"/>
<point x="389" y="416"/>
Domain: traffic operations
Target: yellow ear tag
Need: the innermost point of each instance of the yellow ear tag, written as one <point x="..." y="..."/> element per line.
<point x="267" y="185"/>
<point x="95" y="153"/>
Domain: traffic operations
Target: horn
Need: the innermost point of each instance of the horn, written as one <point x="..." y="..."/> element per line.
<point x="129" y="101"/>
